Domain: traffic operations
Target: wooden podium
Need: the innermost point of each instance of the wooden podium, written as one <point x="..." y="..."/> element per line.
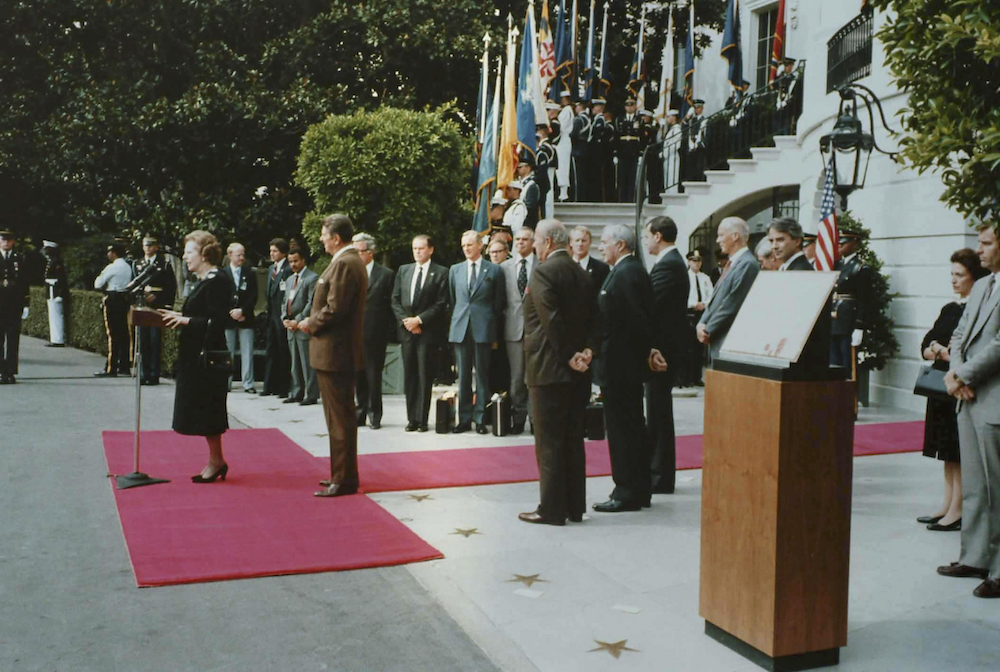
<point x="776" y="517"/>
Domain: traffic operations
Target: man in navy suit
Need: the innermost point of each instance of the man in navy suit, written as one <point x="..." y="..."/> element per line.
<point x="734" y="284"/>
<point x="278" y="365"/>
<point x="378" y="325"/>
<point x="241" y="329"/>
<point x="786" y="237"/>
<point x="478" y="297"/>
<point x="671" y="286"/>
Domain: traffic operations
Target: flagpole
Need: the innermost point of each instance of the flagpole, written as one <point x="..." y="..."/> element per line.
<point x="485" y="84"/>
<point x="573" y="26"/>
<point x="666" y="71"/>
<point x="691" y="30"/>
<point x="604" y="39"/>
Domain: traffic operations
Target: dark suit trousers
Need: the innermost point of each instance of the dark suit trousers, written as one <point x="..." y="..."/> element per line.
<point x="116" y="305"/>
<point x="558" y="411"/>
<point x="370" y="384"/>
<point x="337" y="390"/>
<point x="150" y="341"/>
<point x="660" y="412"/>
<point x="10" y="334"/>
<point x="278" y="364"/>
<point x="840" y="351"/>
<point x="420" y="359"/>
<point x="467" y="354"/>
<point x="627" y="442"/>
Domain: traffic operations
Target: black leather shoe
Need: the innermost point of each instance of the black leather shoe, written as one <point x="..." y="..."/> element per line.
<point x="462" y="427"/>
<point x="8" y="380"/>
<point x="55" y="345"/>
<point x="105" y="374"/>
<point x="929" y="520"/>
<point x="336" y="490"/>
<point x="291" y="400"/>
<point x="265" y="393"/>
<point x="988" y="588"/>
<point x="482" y="429"/>
<point x="576" y="517"/>
<point x="411" y="427"/>
<point x="535" y="517"/>
<point x="250" y="390"/>
<point x="422" y="427"/>
<point x="375" y="424"/>
<point x="952" y="527"/>
<point x="308" y="402"/>
<point x="616" y="506"/>
<point x="962" y="571"/>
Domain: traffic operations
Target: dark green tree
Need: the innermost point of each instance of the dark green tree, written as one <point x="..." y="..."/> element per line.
<point x="946" y="55"/>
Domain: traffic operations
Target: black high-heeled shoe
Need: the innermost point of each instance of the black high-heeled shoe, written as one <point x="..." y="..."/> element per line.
<point x="220" y="474"/>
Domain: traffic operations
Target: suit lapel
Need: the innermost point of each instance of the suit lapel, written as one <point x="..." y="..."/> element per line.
<point x="986" y="308"/>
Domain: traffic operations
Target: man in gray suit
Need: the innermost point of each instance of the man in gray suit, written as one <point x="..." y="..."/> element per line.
<point x="517" y="272"/>
<point x="476" y="290"/>
<point x="733" y="287"/>
<point x="301" y="286"/>
<point x="974" y="379"/>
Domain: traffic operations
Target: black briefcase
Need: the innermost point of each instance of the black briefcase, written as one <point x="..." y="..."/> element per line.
<point x="500" y="414"/>
<point x="444" y="420"/>
<point x="593" y="420"/>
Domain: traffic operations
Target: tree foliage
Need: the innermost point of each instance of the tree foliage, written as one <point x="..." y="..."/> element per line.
<point x="395" y="173"/>
<point x="946" y="55"/>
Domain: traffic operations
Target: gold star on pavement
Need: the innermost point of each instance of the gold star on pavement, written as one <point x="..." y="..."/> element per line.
<point x="276" y="408"/>
<point x="467" y="533"/>
<point x="614" y="648"/>
<point x="419" y="498"/>
<point x="321" y="435"/>
<point x="527" y="580"/>
<point x="294" y="421"/>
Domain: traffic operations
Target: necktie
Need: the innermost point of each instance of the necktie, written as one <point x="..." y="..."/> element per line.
<point x="291" y="295"/>
<point x="274" y="272"/>
<point x="990" y="286"/>
<point x="522" y="277"/>
<point x="418" y="287"/>
<point x="472" y="276"/>
<point x="725" y="269"/>
<point x="697" y="285"/>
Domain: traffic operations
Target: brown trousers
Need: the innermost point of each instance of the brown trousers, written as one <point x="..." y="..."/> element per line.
<point x="558" y="412"/>
<point x="337" y="390"/>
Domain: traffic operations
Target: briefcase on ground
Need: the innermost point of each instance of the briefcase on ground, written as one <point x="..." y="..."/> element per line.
<point x="444" y="420"/>
<point x="500" y="413"/>
<point x="930" y="383"/>
<point x="593" y="420"/>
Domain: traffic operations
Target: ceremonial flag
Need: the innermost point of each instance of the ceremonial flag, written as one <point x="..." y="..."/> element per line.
<point x="507" y="147"/>
<point x="483" y="89"/>
<point x="488" y="160"/>
<point x="589" y="72"/>
<point x="689" y="65"/>
<point x="731" y="49"/>
<point x="605" y="83"/>
<point x="562" y="58"/>
<point x="572" y="33"/>
<point x="778" y="50"/>
<point x="667" y="73"/>
<point x="827" y="239"/>
<point x="636" y="76"/>
<point x="546" y="50"/>
<point x="529" y="95"/>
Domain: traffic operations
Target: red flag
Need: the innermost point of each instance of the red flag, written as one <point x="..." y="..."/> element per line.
<point x="778" y="50"/>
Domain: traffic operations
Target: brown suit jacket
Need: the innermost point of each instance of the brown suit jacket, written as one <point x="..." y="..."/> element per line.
<point x="559" y="320"/>
<point x="337" y="318"/>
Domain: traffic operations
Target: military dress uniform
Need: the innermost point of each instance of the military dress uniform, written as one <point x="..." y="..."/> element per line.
<point x="548" y="164"/>
<point x="581" y="157"/>
<point x="695" y="148"/>
<point x="57" y="290"/>
<point x="113" y="280"/>
<point x="628" y="145"/>
<point x="648" y="137"/>
<point x="155" y="284"/>
<point x="852" y="305"/>
<point x="13" y="302"/>
<point x="602" y="148"/>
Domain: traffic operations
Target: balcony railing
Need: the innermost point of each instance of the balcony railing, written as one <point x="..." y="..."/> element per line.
<point x="849" y="52"/>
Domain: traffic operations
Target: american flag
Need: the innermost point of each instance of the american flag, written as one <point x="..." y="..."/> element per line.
<point x="827" y="250"/>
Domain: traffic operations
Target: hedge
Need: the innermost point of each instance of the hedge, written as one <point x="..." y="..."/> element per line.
<point x="85" y="325"/>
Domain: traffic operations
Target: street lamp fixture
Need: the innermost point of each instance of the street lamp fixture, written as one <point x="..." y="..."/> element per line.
<point x="848" y="147"/>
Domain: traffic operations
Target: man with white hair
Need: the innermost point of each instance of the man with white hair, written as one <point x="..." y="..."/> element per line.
<point x="765" y="256"/>
<point x="733" y="287"/>
<point x="241" y="328"/>
<point x="625" y="303"/>
<point x="517" y="273"/>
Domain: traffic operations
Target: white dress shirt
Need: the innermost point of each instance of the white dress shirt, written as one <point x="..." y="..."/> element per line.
<point x="697" y="280"/>
<point x="529" y="265"/>
<point x="423" y="278"/>
<point x="368" y="267"/>
<point x="237" y="274"/>
<point x="115" y="276"/>
<point x="662" y="253"/>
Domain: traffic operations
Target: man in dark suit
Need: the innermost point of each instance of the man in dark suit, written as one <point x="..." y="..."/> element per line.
<point x="337" y="349"/>
<point x="785" y="236"/>
<point x="301" y="284"/>
<point x="625" y="301"/>
<point x="558" y="346"/>
<point x="155" y="283"/>
<point x="733" y="286"/>
<point x="278" y="365"/>
<point x="579" y="245"/>
<point x="241" y="329"/>
<point x="420" y="304"/>
<point x="671" y="286"/>
<point x="378" y="324"/>
<point x="477" y="296"/>
<point x="13" y="304"/>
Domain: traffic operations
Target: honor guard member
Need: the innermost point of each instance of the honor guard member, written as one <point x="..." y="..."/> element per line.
<point x="564" y="145"/>
<point x="580" y="136"/>
<point x="113" y="280"/>
<point x="649" y="136"/>
<point x="545" y="170"/>
<point x="695" y="137"/>
<point x="155" y="286"/>
<point x="699" y="294"/>
<point x="789" y="102"/>
<point x="517" y="212"/>
<point x="13" y="304"/>
<point x="628" y="145"/>
<point x="672" y="151"/>
<point x="531" y="193"/>
<point x="498" y="204"/>
<point x="57" y="288"/>
<point x="602" y="153"/>
<point x="809" y="247"/>
<point x="852" y="302"/>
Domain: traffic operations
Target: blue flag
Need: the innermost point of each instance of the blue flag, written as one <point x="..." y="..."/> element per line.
<point x="525" y="104"/>
<point x="487" y="171"/>
<point x="564" y="54"/>
<point x="731" y="50"/>
<point x="557" y="86"/>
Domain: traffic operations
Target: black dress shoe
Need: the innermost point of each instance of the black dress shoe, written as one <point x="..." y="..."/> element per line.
<point x="962" y="571"/>
<point x="55" y="345"/>
<point x="375" y="424"/>
<point x="105" y="374"/>
<point x="411" y="427"/>
<point x="462" y="427"/>
<point x="535" y="517"/>
<point x="929" y="520"/>
<point x="952" y="527"/>
<point x="616" y="506"/>
<point x="336" y="490"/>
<point x="250" y="390"/>
<point x="282" y="396"/>
<point x="265" y="393"/>
<point x="576" y="517"/>
<point x="422" y="427"/>
<point x="482" y="429"/>
<point x="308" y="402"/>
<point x="988" y="588"/>
<point x="9" y="380"/>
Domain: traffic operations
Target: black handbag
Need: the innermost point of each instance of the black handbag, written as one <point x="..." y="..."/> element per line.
<point x="214" y="360"/>
<point x="930" y="383"/>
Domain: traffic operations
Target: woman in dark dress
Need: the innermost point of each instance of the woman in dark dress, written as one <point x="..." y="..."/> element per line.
<point x="941" y="425"/>
<point x="200" y="397"/>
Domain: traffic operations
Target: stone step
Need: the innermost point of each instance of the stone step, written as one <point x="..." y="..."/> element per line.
<point x="742" y="165"/>
<point x="786" y="142"/>
<point x="697" y="188"/>
<point x="766" y="153"/>
<point x="719" y="176"/>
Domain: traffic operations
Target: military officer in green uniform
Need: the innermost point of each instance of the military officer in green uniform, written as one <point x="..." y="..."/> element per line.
<point x="13" y="304"/>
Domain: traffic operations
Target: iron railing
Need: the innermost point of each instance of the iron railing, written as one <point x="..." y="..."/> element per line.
<point x="849" y="51"/>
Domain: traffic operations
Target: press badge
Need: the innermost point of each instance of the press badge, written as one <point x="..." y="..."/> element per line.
<point x="281" y="285"/>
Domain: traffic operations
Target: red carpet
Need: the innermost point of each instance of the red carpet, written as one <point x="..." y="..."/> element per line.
<point x="262" y="521"/>
<point x="422" y="470"/>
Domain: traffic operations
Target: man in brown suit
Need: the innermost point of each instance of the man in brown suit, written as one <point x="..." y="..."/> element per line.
<point x="336" y="349"/>
<point x="559" y="346"/>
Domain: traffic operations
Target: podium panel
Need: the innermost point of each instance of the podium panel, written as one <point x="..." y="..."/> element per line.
<point x="776" y="517"/>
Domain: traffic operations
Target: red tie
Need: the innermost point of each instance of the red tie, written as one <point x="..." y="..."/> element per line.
<point x="288" y="305"/>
